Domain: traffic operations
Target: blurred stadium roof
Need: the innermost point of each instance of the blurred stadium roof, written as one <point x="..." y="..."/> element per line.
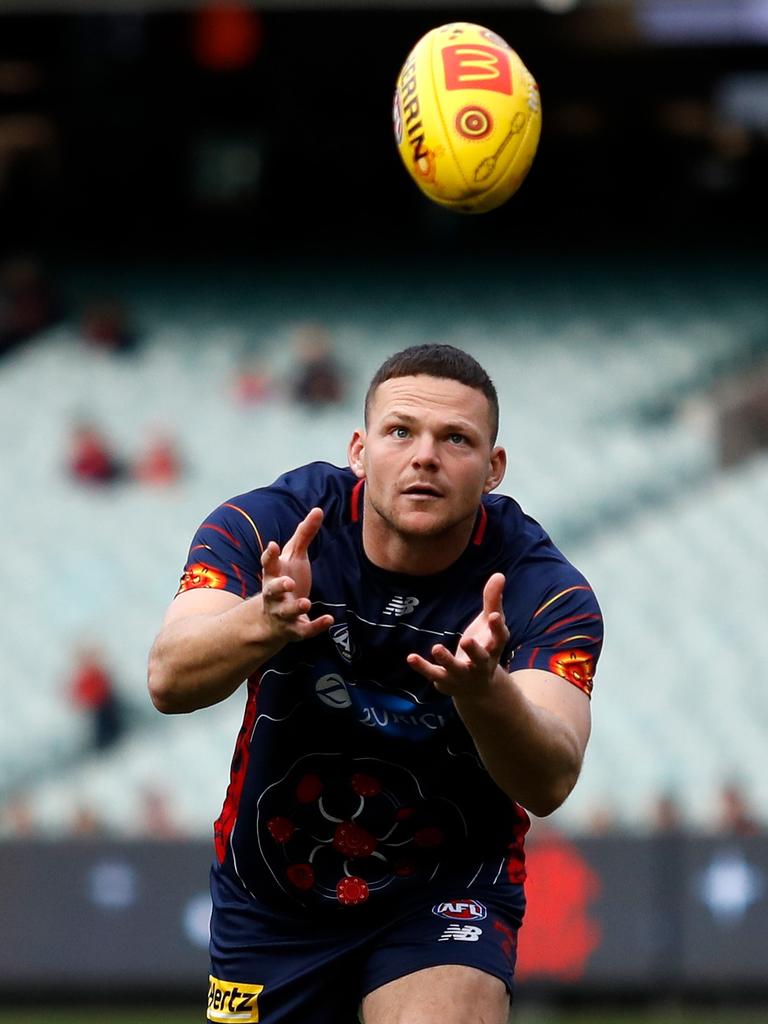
<point x="681" y="22"/>
<point x="117" y="6"/>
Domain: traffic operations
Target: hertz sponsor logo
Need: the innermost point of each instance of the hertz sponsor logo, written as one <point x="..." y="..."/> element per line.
<point x="232" y="1001"/>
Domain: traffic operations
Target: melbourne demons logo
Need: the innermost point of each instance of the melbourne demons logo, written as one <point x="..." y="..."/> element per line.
<point x="460" y="910"/>
<point x="201" y="575"/>
<point x="578" y="667"/>
<point x="340" y="636"/>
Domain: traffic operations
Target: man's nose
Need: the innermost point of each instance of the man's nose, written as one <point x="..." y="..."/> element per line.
<point x="425" y="452"/>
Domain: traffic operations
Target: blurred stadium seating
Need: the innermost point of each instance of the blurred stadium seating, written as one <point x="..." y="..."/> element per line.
<point x="604" y="398"/>
<point x="207" y="200"/>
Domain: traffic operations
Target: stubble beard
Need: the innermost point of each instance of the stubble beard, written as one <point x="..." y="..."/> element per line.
<point x="430" y="532"/>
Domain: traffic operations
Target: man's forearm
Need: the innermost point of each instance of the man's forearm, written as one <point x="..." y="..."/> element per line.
<point x="201" y="660"/>
<point x="531" y="753"/>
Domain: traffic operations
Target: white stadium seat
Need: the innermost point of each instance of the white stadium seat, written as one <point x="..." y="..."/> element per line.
<point x="677" y="551"/>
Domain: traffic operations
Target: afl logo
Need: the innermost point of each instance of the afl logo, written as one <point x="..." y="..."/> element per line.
<point x="332" y="690"/>
<point x="473" y="123"/>
<point x="460" y="910"/>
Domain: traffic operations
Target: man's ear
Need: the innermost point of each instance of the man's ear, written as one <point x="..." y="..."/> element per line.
<point x="356" y="454"/>
<point x="496" y="469"/>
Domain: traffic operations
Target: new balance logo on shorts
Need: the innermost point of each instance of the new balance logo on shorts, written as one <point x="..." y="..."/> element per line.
<point x="233" y="1001"/>
<point x="461" y="932"/>
<point x="401" y="605"/>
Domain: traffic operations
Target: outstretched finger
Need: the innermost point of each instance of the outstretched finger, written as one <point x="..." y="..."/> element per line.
<point x="314" y="627"/>
<point x="477" y="654"/>
<point x="278" y="586"/>
<point x="444" y="657"/>
<point x="270" y="559"/>
<point x="499" y="633"/>
<point x="493" y="592"/>
<point x="434" y="673"/>
<point x="305" y="533"/>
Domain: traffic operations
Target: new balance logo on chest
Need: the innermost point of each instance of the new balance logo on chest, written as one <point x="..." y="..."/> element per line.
<point x="401" y="605"/>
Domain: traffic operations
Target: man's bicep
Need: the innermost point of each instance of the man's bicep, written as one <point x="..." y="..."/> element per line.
<point x="558" y="696"/>
<point x="201" y="601"/>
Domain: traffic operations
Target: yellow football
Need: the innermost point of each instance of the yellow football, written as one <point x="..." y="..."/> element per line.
<point x="467" y="117"/>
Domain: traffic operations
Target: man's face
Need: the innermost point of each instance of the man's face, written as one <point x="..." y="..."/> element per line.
<point x="426" y="455"/>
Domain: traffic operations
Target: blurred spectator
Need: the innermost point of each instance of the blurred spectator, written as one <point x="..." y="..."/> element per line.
<point x="28" y="302"/>
<point x="85" y="822"/>
<point x="91" y="689"/>
<point x="91" y="460"/>
<point x="160" y="464"/>
<point x="16" y="818"/>
<point x="736" y="817"/>
<point x="106" y="325"/>
<point x="156" y="819"/>
<point x="666" y="814"/>
<point x="603" y="820"/>
<point x="251" y="384"/>
<point x="741" y="405"/>
<point x="317" y="380"/>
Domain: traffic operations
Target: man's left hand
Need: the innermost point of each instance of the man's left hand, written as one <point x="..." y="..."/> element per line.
<point x="469" y="672"/>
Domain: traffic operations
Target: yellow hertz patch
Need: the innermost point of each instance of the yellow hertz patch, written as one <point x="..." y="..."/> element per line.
<point x="232" y="1001"/>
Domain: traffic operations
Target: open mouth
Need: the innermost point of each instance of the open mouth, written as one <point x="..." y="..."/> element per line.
<point x="422" y="491"/>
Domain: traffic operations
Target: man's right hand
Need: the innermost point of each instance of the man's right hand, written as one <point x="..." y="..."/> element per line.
<point x="287" y="581"/>
<point x="211" y="640"/>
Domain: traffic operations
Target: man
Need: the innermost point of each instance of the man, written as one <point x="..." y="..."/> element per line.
<point x="419" y="660"/>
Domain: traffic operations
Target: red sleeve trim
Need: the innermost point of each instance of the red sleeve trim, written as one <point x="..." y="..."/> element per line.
<point x="222" y="531"/>
<point x="354" y="501"/>
<point x="226" y="821"/>
<point x="533" y="657"/>
<point x="243" y="588"/>
<point x="572" y="618"/>
<point x="482" y="522"/>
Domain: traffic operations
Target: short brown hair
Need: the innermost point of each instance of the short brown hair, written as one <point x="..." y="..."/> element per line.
<point x="437" y="361"/>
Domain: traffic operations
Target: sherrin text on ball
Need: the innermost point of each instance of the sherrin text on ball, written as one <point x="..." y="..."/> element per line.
<point x="467" y="117"/>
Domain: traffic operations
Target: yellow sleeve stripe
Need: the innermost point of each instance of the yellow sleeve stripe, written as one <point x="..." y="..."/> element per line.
<point x="557" y="597"/>
<point x="246" y="516"/>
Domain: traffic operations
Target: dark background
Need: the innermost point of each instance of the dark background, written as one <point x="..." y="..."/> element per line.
<point x="635" y="152"/>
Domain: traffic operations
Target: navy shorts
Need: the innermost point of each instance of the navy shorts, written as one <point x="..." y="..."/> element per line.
<point x="279" y="967"/>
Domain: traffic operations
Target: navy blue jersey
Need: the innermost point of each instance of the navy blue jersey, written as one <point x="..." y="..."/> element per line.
<point x="353" y="779"/>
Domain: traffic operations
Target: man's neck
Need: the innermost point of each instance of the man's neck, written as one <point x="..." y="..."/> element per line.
<point x="413" y="555"/>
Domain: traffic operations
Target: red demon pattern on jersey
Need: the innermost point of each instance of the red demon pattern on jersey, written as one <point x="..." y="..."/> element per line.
<point x="353" y="779"/>
<point x="567" y="635"/>
<point x="198" y="575"/>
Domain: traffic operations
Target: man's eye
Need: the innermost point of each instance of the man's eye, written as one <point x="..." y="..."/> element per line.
<point x="400" y="432"/>
<point x="456" y="438"/>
